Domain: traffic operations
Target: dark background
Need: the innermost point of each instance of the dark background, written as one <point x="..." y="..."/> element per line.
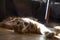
<point x="22" y="8"/>
<point x="28" y="8"/>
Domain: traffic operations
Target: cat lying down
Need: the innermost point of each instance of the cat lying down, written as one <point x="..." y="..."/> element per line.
<point x="28" y="25"/>
<point x="25" y="25"/>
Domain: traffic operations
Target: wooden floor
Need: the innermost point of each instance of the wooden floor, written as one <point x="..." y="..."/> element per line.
<point x="6" y="34"/>
<point x="52" y="24"/>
